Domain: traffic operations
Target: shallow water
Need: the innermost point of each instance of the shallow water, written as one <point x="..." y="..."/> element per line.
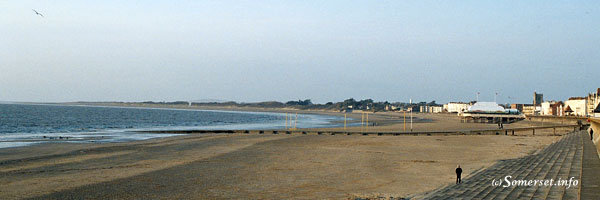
<point x="26" y="124"/>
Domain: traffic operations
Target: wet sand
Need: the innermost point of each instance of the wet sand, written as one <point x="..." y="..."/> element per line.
<point x="259" y="166"/>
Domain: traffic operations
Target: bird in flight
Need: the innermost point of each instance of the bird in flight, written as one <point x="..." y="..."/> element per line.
<point x="37" y="13"/>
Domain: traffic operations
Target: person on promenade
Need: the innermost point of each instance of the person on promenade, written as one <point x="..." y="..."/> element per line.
<point x="458" y="173"/>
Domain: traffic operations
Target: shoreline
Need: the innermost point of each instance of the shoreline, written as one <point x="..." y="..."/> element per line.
<point x="111" y="135"/>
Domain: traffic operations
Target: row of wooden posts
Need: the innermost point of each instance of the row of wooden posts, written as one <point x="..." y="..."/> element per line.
<point x="364" y="121"/>
<point x="321" y="132"/>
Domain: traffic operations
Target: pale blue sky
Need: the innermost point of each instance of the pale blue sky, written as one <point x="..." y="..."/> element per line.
<point x="284" y="50"/>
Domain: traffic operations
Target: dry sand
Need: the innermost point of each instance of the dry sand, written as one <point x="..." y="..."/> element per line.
<point x="261" y="166"/>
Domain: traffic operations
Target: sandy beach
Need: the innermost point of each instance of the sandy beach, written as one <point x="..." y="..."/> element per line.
<point x="263" y="166"/>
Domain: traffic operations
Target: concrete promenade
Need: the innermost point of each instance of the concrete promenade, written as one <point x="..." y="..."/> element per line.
<point x="573" y="156"/>
<point x="590" y="188"/>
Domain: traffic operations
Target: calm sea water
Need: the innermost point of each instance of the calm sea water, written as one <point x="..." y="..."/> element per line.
<point x="26" y="124"/>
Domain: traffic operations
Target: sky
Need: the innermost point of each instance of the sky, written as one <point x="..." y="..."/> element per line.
<point x="249" y="51"/>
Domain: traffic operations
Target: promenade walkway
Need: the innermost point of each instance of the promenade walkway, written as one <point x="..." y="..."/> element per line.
<point x="572" y="156"/>
<point x="590" y="188"/>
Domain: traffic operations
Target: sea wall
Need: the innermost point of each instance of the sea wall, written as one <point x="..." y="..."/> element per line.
<point x="556" y="119"/>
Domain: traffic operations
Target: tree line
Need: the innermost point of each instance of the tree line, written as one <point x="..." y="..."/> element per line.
<point x="307" y="104"/>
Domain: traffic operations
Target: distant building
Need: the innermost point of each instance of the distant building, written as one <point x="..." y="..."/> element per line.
<point x="436" y="109"/>
<point x="552" y="108"/>
<point x="486" y="107"/>
<point x="531" y="109"/>
<point x="568" y="111"/>
<point x="423" y="109"/>
<point x="596" y="111"/>
<point x="527" y="109"/>
<point x="490" y="112"/>
<point x="518" y="107"/>
<point x="593" y="100"/>
<point x="430" y="109"/>
<point x="546" y="108"/>
<point x="391" y="108"/>
<point x="576" y="106"/>
<point x="412" y="108"/>
<point x="456" y="107"/>
<point x="538" y="99"/>
<point x="557" y="109"/>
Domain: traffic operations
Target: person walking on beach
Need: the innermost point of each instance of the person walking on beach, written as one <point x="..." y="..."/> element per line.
<point x="458" y="172"/>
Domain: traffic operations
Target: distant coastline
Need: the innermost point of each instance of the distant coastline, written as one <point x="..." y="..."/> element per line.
<point x="366" y="105"/>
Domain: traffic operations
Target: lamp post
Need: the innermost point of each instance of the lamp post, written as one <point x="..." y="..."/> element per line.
<point x="411" y="109"/>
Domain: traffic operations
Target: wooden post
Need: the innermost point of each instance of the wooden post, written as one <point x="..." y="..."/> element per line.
<point x="513" y="132"/>
<point x="362" y="120"/>
<point x="554" y="131"/>
<point x="286" y="120"/>
<point x="367" y="124"/>
<point x="344" y="121"/>
<point x="533" y="131"/>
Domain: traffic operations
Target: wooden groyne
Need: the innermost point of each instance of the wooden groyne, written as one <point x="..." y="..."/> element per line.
<point x="506" y="131"/>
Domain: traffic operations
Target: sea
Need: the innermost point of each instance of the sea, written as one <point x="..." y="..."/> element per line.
<point x="29" y="124"/>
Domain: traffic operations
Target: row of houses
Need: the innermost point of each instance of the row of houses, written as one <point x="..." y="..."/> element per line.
<point x="575" y="106"/>
<point x="431" y="109"/>
<point x="454" y="107"/>
<point x="587" y="106"/>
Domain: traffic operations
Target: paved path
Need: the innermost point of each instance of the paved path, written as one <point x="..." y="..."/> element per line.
<point x="590" y="187"/>
<point x="559" y="161"/>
